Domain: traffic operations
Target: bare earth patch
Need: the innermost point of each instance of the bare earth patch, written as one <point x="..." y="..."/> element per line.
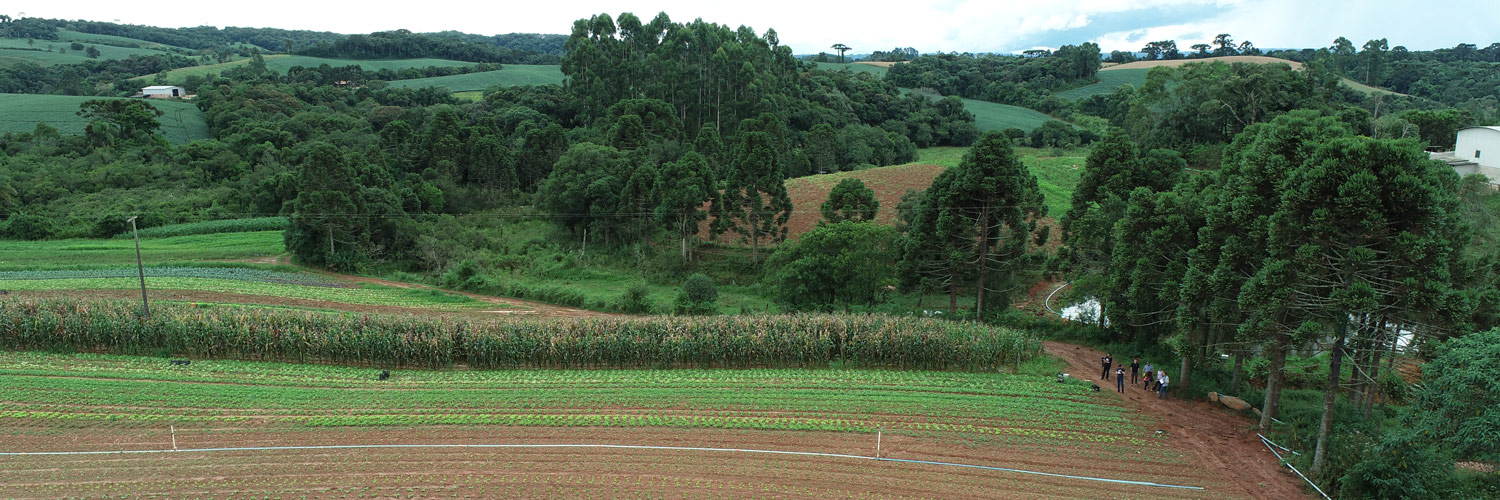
<point x="1222" y="441"/>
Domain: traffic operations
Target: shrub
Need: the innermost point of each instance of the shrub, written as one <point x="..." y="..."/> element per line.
<point x="698" y="295"/>
<point x="634" y="299"/>
<point x="1403" y="466"/>
<point x="26" y="227"/>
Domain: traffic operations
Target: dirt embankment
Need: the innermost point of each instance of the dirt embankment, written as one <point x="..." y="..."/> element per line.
<point x="1223" y="442"/>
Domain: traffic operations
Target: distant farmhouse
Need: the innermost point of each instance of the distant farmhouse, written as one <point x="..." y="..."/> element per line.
<point x="163" y="92"/>
<point x="1477" y="152"/>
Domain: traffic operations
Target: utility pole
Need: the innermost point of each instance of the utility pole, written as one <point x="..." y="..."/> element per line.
<point x="145" y="306"/>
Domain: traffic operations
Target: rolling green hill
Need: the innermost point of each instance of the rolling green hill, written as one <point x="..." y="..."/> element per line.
<point x="879" y="71"/>
<point x="992" y="116"/>
<point x="282" y="62"/>
<point x="995" y="116"/>
<point x="119" y="41"/>
<point x="513" y="74"/>
<point x="182" y="122"/>
<point x="1108" y="82"/>
<point x="45" y="52"/>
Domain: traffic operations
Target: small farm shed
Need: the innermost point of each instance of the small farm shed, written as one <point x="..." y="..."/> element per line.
<point x="1478" y="149"/>
<point x="163" y="92"/>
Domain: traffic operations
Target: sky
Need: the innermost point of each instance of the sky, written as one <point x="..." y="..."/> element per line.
<point x="812" y="26"/>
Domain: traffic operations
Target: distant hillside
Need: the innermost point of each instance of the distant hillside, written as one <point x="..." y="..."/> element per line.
<point x="202" y="37"/>
<point x="403" y="44"/>
<point x="1134" y="73"/>
<point x="877" y="69"/>
<point x="513" y="74"/>
<point x="1179" y="62"/>
<point x="51" y="52"/>
<point x="181" y="123"/>
<point x="539" y="43"/>
<point x="282" y="62"/>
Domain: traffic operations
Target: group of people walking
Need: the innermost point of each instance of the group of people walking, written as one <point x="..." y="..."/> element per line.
<point x="1153" y="381"/>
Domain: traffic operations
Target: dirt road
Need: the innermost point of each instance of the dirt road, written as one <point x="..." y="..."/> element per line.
<point x="1222" y="441"/>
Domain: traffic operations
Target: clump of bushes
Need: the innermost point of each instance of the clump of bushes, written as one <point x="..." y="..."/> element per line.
<point x="699" y="295"/>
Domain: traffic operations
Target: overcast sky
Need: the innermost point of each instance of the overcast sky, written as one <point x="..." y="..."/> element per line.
<point x="811" y="26"/>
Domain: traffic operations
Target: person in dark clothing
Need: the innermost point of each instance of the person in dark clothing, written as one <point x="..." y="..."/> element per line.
<point x="1108" y="362"/>
<point x="1135" y="369"/>
<point x="1120" y="380"/>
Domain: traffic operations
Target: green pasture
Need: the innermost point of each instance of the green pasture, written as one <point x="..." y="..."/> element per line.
<point x="879" y="71"/>
<point x="1057" y="176"/>
<point x="90" y="254"/>
<point x="993" y="116"/>
<point x="87" y="38"/>
<point x="181" y="122"/>
<point x="282" y="62"/>
<point x="1108" y="82"/>
<point x="45" y="52"/>
<point x="511" y="75"/>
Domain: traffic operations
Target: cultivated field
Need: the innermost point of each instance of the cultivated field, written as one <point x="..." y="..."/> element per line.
<point x="1021" y="422"/>
<point x="511" y="75"/>
<point x="45" y="52"/>
<point x="181" y="122"/>
<point x="172" y="251"/>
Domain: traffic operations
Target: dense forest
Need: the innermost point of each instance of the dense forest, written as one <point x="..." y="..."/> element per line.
<point x="1278" y="233"/>
<point x="402" y="44"/>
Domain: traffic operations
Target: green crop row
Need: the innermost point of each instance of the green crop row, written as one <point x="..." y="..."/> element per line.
<point x="212" y="227"/>
<point x="737" y="341"/>
<point x="226" y="273"/>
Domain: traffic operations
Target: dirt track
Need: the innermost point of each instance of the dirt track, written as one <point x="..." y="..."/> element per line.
<point x="1222" y="441"/>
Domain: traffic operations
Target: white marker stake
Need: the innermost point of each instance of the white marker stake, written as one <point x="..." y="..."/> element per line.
<point x="174" y="438"/>
<point x="878" y="434"/>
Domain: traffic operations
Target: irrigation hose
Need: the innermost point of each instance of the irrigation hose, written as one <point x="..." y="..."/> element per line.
<point x="1268" y="444"/>
<point x="610" y="446"/>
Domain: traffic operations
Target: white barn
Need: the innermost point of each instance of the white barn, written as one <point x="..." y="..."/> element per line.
<point x="163" y="92"/>
<point x="1478" y="152"/>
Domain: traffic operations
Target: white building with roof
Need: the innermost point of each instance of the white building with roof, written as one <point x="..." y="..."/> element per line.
<point x="1477" y="151"/>
<point x="163" y="92"/>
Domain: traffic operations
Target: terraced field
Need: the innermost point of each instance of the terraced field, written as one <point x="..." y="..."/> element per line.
<point x="181" y="122"/>
<point x="689" y="422"/>
<point x="512" y="74"/>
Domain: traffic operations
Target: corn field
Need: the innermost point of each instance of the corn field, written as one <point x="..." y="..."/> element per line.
<point x="785" y="341"/>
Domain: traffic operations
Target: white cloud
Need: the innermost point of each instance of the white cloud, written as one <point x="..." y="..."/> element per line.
<point x="928" y="25"/>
